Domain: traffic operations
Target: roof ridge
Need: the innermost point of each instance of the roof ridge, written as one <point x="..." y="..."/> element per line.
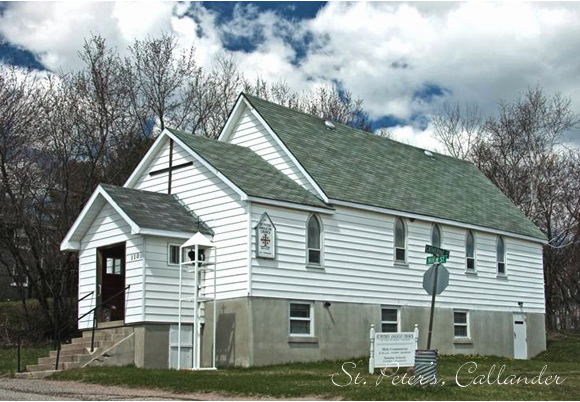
<point x="355" y="129"/>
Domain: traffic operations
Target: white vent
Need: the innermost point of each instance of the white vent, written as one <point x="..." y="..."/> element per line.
<point x="329" y="125"/>
<point x="428" y="153"/>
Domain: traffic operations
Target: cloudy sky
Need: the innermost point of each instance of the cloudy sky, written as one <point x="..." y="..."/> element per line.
<point x="403" y="59"/>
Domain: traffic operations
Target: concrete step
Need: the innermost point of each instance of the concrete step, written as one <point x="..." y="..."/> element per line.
<point x="50" y="366"/>
<point x="110" y="324"/>
<point x="98" y="337"/>
<point x="64" y="359"/>
<point x="35" y="374"/>
<point x="82" y="351"/>
<point x="86" y="345"/>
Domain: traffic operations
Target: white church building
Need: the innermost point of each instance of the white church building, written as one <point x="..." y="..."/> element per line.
<point x="311" y="231"/>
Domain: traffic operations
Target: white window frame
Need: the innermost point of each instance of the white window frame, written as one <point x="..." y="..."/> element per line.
<point x="321" y="235"/>
<point x="311" y="319"/>
<point x="466" y="325"/>
<point x="398" y="322"/>
<point x="497" y="262"/>
<point x="169" y="245"/>
<point x="406" y="248"/>
<point x="474" y="269"/>
<point x="433" y="226"/>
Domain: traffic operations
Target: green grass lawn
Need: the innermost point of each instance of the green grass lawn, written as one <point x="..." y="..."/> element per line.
<point x="315" y="379"/>
<point x="30" y="355"/>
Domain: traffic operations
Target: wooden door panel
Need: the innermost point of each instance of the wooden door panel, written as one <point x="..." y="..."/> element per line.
<point x="112" y="281"/>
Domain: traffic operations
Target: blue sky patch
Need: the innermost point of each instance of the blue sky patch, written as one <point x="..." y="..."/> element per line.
<point x="429" y="91"/>
<point x="15" y="56"/>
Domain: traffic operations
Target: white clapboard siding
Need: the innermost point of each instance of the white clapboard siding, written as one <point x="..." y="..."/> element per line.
<point x="249" y="132"/>
<point x="219" y="207"/>
<point x="359" y="264"/>
<point x="109" y="228"/>
<point x="162" y="282"/>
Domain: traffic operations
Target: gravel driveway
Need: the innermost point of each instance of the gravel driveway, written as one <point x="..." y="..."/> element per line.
<point x="46" y="390"/>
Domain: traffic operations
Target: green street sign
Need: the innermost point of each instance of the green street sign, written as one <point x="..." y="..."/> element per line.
<point x="436" y="250"/>
<point x="436" y="260"/>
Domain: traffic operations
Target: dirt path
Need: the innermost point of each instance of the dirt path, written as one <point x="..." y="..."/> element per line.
<point x="45" y="390"/>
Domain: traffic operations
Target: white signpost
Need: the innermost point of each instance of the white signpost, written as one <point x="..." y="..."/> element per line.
<point x="393" y="349"/>
<point x="265" y="238"/>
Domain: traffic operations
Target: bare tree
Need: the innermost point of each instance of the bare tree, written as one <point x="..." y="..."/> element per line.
<point x="520" y="150"/>
<point x="458" y="129"/>
<point x="156" y="72"/>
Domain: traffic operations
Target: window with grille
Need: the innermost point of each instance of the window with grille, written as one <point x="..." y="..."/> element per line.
<point x="400" y="241"/>
<point x="389" y="319"/>
<point x="500" y="256"/>
<point x="300" y="318"/>
<point x="460" y="324"/>
<point x="470" y="251"/>
<point x="314" y="241"/>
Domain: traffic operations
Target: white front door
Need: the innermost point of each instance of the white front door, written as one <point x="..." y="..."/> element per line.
<point x="520" y="337"/>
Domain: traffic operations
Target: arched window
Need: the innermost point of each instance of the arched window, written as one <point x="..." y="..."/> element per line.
<point x="400" y="240"/>
<point x="314" y="241"/>
<point x="470" y="251"/>
<point x="436" y="236"/>
<point x="500" y="256"/>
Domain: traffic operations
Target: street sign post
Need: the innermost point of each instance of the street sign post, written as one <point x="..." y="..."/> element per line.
<point x="435" y="279"/>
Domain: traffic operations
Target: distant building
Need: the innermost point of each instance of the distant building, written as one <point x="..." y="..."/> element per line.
<point x="347" y="215"/>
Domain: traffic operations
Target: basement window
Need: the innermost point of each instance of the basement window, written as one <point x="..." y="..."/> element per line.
<point x="300" y="319"/>
<point x="461" y="324"/>
<point x="389" y="319"/>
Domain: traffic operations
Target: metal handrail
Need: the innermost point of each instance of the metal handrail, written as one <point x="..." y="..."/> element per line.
<point x="21" y="333"/>
<point x="94" y="324"/>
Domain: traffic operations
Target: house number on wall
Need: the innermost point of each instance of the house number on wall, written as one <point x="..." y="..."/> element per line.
<point x="133" y="257"/>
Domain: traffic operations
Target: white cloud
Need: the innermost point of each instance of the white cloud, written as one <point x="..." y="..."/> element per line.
<point x="417" y="137"/>
<point x="383" y="52"/>
<point x="55" y="31"/>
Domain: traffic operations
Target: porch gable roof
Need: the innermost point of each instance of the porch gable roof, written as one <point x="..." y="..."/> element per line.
<point x="146" y="212"/>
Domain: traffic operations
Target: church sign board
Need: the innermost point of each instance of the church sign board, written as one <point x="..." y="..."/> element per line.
<point x="265" y="238"/>
<point x="395" y="349"/>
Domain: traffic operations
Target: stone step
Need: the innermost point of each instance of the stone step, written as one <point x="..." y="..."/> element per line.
<point x="68" y="352"/>
<point x="50" y="366"/>
<point x="35" y="374"/>
<point x="86" y="345"/>
<point x="110" y="324"/>
<point x="98" y="337"/>
<point x="64" y="359"/>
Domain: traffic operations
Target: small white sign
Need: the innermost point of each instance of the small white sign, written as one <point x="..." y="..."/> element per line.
<point x="394" y="349"/>
<point x="265" y="238"/>
<point x="133" y="257"/>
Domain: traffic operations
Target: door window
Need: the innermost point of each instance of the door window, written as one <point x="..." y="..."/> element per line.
<point x="114" y="266"/>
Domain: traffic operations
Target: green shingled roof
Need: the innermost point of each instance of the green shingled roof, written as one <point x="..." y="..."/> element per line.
<point x="249" y="171"/>
<point x="156" y="210"/>
<point x="360" y="167"/>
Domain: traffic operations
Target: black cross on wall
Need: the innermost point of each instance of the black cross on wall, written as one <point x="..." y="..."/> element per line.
<point x="169" y="170"/>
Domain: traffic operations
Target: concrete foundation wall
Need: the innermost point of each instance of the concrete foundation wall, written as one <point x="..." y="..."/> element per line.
<point x="152" y="345"/>
<point x="233" y="333"/>
<point x="253" y="331"/>
<point x="342" y="331"/>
